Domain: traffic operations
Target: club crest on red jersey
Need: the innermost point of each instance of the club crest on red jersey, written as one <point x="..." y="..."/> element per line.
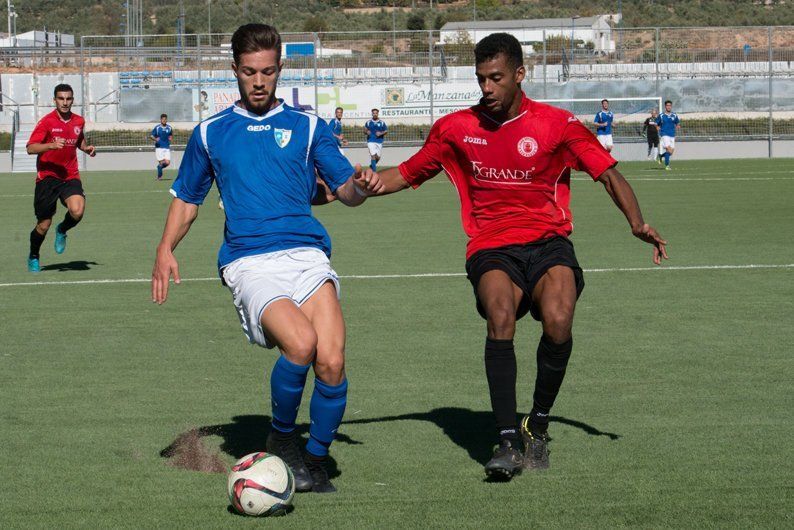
<point x="527" y="146"/>
<point x="77" y="131"/>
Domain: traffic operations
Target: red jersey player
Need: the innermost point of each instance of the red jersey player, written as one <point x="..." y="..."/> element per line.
<point x="510" y="159"/>
<point x="55" y="140"/>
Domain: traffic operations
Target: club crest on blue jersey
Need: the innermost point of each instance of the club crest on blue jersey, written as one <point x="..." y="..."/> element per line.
<point x="282" y="137"/>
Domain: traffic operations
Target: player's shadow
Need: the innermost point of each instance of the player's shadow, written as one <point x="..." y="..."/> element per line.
<point x="473" y="430"/>
<point x="79" y="265"/>
<point x="244" y="435"/>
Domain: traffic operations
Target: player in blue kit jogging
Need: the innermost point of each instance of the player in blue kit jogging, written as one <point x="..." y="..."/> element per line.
<point x="376" y="129"/>
<point x="336" y="128"/>
<point x="264" y="156"/>
<point x="668" y="123"/>
<point x="603" y="121"/>
<point x="162" y="134"/>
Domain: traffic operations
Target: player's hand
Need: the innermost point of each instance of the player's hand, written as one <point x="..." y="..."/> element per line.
<point x="165" y="266"/>
<point x="344" y="142"/>
<point x="648" y="234"/>
<point x="90" y="150"/>
<point x="367" y="181"/>
<point x="58" y="144"/>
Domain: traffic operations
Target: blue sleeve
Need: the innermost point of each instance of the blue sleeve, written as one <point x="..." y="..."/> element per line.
<point x="659" y="120"/>
<point x="597" y="118"/>
<point x="677" y="120"/>
<point x="195" y="172"/>
<point x="385" y="127"/>
<point x="154" y="131"/>
<point x="331" y="164"/>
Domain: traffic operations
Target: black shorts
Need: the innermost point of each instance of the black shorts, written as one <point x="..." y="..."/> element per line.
<point x="49" y="190"/>
<point x="525" y="264"/>
<point x="653" y="141"/>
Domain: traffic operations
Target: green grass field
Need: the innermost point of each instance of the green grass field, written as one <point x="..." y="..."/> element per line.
<point x="676" y="411"/>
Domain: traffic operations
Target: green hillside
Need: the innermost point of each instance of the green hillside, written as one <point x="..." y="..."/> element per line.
<point x="92" y="17"/>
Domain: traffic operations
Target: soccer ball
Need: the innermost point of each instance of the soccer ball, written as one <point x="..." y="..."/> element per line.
<point x="261" y="484"/>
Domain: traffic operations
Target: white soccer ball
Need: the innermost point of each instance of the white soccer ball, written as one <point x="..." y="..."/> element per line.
<point x="261" y="484"/>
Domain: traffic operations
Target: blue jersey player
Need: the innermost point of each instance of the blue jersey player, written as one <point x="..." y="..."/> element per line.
<point x="603" y="121"/>
<point x="336" y="128"/>
<point x="668" y="123"/>
<point x="162" y="134"/>
<point x="375" y="129"/>
<point x="268" y="161"/>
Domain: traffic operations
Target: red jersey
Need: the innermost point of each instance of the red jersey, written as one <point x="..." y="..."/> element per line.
<point x="58" y="163"/>
<point x="513" y="178"/>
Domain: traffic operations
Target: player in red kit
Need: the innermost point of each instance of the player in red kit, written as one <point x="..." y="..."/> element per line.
<point x="510" y="159"/>
<point x="55" y="140"/>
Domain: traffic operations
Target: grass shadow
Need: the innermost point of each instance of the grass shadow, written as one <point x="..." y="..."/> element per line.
<point x="79" y="265"/>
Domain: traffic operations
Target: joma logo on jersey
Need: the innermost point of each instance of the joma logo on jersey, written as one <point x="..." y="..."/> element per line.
<point x="282" y="137"/>
<point x="501" y="175"/>
<point x="527" y="146"/>
<point x="473" y="140"/>
<point x="257" y="128"/>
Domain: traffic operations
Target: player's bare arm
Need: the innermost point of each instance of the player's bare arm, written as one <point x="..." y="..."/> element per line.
<point x="90" y="150"/>
<point x="180" y="216"/>
<point x="35" y="149"/>
<point x="388" y="181"/>
<point x="323" y="194"/>
<point x="360" y="185"/>
<point x="623" y="196"/>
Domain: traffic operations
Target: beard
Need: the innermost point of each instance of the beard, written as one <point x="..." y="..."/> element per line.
<point x="256" y="104"/>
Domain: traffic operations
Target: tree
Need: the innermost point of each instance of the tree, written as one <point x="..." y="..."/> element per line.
<point x="416" y="22"/>
<point x="315" y="24"/>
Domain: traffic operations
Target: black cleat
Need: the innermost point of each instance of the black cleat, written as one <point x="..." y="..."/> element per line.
<point x="322" y="484"/>
<point x="536" y="447"/>
<point x="285" y="446"/>
<point x="505" y="463"/>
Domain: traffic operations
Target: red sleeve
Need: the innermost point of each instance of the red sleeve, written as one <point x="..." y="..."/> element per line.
<point x="39" y="134"/>
<point x="81" y="137"/>
<point x="426" y="163"/>
<point x="583" y="152"/>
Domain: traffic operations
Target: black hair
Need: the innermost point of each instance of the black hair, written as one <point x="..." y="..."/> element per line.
<point x="605" y="99"/>
<point x="253" y="38"/>
<point x="62" y="87"/>
<point x="163" y="115"/>
<point x="375" y="110"/>
<point x="339" y="108"/>
<point x="499" y="43"/>
<point x="668" y="101"/>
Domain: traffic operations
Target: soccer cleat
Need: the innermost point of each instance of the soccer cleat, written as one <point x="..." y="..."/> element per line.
<point x="33" y="265"/>
<point x="60" y="240"/>
<point x="322" y="484"/>
<point x="505" y="463"/>
<point x="667" y="168"/>
<point x="536" y="447"/>
<point x="286" y="447"/>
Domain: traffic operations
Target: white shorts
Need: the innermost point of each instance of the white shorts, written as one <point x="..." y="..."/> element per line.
<point x="667" y="141"/>
<point x="162" y="154"/>
<point x="375" y="148"/>
<point x="605" y="140"/>
<point x="258" y="281"/>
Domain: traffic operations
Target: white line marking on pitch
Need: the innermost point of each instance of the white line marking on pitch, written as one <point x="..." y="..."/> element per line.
<point x="92" y="193"/>
<point x="425" y="275"/>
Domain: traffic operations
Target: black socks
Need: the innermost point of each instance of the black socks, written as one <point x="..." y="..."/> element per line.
<point x="500" y="369"/>
<point x="552" y="361"/>
<point x="68" y="223"/>
<point x="36" y="240"/>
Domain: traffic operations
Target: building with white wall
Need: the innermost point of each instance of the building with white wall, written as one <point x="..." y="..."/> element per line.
<point x="595" y="30"/>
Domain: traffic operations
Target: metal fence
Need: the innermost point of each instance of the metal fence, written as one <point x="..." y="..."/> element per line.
<point x="726" y="83"/>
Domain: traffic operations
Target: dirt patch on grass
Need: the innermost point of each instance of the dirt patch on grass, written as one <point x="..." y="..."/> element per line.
<point x="189" y="452"/>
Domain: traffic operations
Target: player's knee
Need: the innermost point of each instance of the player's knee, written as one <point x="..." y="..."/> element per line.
<point x="77" y="212"/>
<point x="330" y="368"/>
<point x="300" y="349"/>
<point x="558" y="322"/>
<point x="43" y="226"/>
<point x="165" y="163"/>
<point x="501" y="321"/>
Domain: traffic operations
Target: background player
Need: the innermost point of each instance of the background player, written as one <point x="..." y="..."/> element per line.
<point x="336" y="128"/>
<point x="162" y="134"/>
<point x="275" y="253"/>
<point x="668" y="123"/>
<point x="514" y="188"/>
<point x="603" y="121"/>
<point x="376" y="129"/>
<point x="56" y="139"/>
<point x="651" y="132"/>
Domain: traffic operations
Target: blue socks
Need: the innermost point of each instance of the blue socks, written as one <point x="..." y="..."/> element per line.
<point x="286" y="389"/>
<point x="373" y="164"/>
<point x="666" y="158"/>
<point x="159" y="171"/>
<point x="326" y="411"/>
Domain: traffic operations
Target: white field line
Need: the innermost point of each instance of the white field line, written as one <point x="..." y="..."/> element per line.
<point x="421" y="275"/>
<point x="92" y="193"/>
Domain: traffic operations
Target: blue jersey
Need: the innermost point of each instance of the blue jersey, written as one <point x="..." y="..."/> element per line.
<point x="667" y="123"/>
<point x="163" y="134"/>
<point x="336" y="128"/>
<point x="604" y="119"/>
<point x="373" y="127"/>
<point x="264" y="167"/>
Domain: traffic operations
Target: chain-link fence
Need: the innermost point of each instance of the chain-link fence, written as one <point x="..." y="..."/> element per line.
<point x="725" y="83"/>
